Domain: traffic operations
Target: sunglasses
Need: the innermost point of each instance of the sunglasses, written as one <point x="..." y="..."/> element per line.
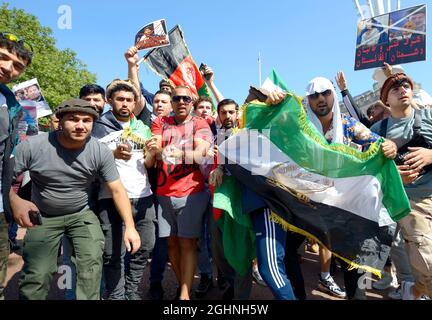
<point x="315" y="95"/>
<point x="186" y="99"/>
<point x="11" y="37"/>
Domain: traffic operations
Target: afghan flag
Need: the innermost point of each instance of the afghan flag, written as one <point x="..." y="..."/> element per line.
<point x="345" y="199"/>
<point x="175" y="62"/>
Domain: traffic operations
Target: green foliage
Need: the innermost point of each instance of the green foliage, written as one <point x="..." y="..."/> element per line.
<point x="59" y="72"/>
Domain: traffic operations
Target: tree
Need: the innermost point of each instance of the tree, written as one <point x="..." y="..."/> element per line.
<point x="59" y="72"/>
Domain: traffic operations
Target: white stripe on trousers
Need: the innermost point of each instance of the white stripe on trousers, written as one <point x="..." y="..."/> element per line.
<point x="271" y="250"/>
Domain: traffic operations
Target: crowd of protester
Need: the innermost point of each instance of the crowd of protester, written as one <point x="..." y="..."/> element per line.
<point x="125" y="176"/>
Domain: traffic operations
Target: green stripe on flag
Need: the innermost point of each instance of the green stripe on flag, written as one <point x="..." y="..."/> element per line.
<point x="296" y="136"/>
<point x="237" y="229"/>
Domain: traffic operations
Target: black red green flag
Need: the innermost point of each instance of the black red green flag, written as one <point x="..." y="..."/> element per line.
<point x="175" y="62"/>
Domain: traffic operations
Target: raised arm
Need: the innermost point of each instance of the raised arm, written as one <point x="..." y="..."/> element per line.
<point x="131" y="56"/>
<point x="349" y="102"/>
<point x="387" y="69"/>
<point x="208" y="76"/>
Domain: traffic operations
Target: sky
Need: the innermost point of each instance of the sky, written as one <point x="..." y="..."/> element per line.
<point x="299" y="39"/>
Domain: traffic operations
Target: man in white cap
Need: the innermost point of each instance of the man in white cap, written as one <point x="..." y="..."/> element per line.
<point x="323" y="110"/>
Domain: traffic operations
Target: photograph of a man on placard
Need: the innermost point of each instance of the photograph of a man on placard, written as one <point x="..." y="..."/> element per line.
<point x="419" y="20"/>
<point x="152" y="35"/>
<point x="31" y="91"/>
<point x="407" y="36"/>
<point x="34" y="93"/>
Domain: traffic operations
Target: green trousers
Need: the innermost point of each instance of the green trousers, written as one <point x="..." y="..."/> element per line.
<point x="41" y="245"/>
<point x="4" y="252"/>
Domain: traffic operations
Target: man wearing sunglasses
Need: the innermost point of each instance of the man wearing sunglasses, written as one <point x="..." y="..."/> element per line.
<point x="15" y="56"/>
<point x="323" y="110"/>
<point x="183" y="141"/>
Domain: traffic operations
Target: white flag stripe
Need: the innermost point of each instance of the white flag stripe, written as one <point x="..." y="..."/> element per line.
<point x="361" y="195"/>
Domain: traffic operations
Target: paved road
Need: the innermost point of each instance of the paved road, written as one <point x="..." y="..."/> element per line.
<point x="310" y="268"/>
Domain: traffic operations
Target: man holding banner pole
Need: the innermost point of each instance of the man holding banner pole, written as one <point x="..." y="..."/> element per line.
<point x="323" y="111"/>
<point x="411" y="129"/>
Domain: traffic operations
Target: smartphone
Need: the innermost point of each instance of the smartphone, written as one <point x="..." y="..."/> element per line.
<point x="202" y="67"/>
<point x="35" y="217"/>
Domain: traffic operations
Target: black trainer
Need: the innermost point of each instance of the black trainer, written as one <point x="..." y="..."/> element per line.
<point x="222" y="282"/>
<point x="178" y="292"/>
<point x="204" y="286"/>
<point x="156" y="292"/>
<point x="228" y="294"/>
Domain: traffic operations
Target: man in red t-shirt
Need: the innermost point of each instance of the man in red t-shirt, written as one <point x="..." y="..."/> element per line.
<point x="183" y="142"/>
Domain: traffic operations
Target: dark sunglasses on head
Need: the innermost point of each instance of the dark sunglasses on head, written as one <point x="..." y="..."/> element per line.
<point x="11" y="37"/>
<point x="316" y="94"/>
<point x="186" y="99"/>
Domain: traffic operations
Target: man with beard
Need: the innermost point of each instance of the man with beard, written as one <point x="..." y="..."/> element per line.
<point x="131" y="162"/>
<point x="94" y="94"/>
<point x="239" y="286"/>
<point x="323" y="111"/>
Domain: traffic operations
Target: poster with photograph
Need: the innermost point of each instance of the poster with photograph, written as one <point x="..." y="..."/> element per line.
<point x="31" y="90"/>
<point x="396" y="38"/>
<point x="407" y="35"/>
<point x="152" y="35"/>
<point x="28" y="124"/>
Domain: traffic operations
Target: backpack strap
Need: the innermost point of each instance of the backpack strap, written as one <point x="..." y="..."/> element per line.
<point x="382" y="131"/>
<point x="417" y="122"/>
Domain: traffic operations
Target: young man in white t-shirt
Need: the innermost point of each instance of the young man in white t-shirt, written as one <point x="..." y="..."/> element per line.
<point x="133" y="149"/>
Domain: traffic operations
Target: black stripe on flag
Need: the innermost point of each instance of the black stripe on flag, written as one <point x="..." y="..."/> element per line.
<point x="348" y="235"/>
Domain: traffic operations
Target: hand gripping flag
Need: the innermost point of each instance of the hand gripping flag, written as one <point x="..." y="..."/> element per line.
<point x="175" y="62"/>
<point x="345" y="199"/>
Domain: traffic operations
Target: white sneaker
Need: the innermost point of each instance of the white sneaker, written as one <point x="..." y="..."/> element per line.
<point x="406" y="290"/>
<point x="257" y="277"/>
<point x="385" y="282"/>
<point x="328" y="285"/>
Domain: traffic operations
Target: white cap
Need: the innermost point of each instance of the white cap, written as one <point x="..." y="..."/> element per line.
<point x="380" y="77"/>
<point x="319" y="84"/>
